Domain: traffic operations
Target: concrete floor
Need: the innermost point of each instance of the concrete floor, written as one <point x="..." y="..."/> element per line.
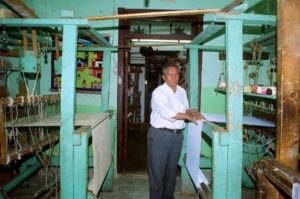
<point x="135" y="186"/>
<point x="126" y="186"/>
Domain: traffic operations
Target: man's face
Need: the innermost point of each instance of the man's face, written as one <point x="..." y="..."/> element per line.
<point x="171" y="77"/>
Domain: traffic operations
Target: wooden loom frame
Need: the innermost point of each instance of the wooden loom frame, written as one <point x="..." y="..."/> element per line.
<point x="6" y="158"/>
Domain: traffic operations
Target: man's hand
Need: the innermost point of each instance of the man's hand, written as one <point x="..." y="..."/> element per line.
<point x="193" y="115"/>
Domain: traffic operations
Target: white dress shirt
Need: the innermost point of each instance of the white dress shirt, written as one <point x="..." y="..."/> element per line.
<point x="165" y="105"/>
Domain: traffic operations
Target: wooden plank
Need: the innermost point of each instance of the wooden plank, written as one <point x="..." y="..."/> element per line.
<point x="34" y="43"/>
<point x="126" y="68"/>
<point x="207" y="33"/>
<point x="51" y="139"/>
<point x="123" y="31"/>
<point x="44" y="98"/>
<point x="275" y="180"/>
<point x="156" y="14"/>
<point x="25" y="41"/>
<point x="232" y="5"/>
<point x="10" y="53"/>
<point x="19" y="7"/>
<point x="265" y="189"/>
<point x="2" y="137"/>
<point x="246" y="56"/>
<point x="288" y="82"/>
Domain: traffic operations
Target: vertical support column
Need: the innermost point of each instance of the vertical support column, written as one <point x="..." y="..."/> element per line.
<point x="108" y="182"/>
<point x="194" y="78"/>
<point x="187" y="184"/>
<point x="68" y="111"/>
<point x="234" y="105"/>
<point x="81" y="166"/>
<point x="288" y="83"/>
<point x="219" y="167"/>
<point x="105" y="81"/>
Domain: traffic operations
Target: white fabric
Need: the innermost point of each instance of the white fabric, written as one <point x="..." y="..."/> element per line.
<point x="247" y="120"/>
<point x="194" y="146"/>
<point x="296" y="191"/>
<point x="102" y="155"/>
<point x="193" y="154"/>
<point x="166" y="104"/>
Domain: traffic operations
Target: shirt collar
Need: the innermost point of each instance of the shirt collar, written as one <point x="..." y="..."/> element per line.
<point x="169" y="88"/>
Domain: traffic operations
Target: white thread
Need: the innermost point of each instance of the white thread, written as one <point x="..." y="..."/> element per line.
<point x="11" y="101"/>
<point x="28" y="100"/>
<point x="22" y="100"/>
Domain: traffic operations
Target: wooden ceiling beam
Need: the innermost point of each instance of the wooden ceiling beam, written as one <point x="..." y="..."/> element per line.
<point x="20" y="8"/>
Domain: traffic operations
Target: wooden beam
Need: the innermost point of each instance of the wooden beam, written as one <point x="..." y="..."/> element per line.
<point x="288" y="82"/>
<point x="275" y="180"/>
<point x="19" y="7"/>
<point x="232" y="5"/>
<point x="96" y="37"/>
<point x="3" y="148"/>
<point x="157" y="14"/>
<point x="9" y="53"/>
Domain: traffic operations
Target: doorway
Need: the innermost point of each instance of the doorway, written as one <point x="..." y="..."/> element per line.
<point x="145" y="46"/>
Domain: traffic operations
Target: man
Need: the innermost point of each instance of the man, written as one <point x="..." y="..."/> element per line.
<point x="169" y="105"/>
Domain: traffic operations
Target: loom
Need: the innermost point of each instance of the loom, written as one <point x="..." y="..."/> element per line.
<point x="76" y="130"/>
<point x="31" y="124"/>
<point x="18" y="137"/>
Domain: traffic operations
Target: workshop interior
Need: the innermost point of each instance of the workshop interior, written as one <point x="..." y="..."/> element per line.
<point x="76" y="80"/>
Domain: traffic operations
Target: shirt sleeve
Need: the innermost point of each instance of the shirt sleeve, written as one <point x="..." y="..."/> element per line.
<point x="159" y="104"/>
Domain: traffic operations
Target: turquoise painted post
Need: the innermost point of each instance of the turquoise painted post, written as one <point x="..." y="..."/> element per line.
<point x="105" y="81"/>
<point x="81" y="165"/>
<point x="219" y="167"/>
<point x="108" y="182"/>
<point x="234" y="105"/>
<point x="30" y="170"/>
<point x="68" y="111"/>
<point x="194" y="78"/>
<point x="187" y="184"/>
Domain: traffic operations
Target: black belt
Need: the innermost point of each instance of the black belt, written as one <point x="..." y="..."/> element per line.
<point x="175" y="131"/>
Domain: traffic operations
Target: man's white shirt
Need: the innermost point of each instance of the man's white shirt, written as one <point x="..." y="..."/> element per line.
<point x="165" y="105"/>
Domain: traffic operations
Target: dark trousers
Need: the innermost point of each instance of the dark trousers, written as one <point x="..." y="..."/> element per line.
<point x="163" y="155"/>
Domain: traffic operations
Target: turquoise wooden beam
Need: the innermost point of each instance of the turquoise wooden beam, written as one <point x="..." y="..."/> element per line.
<point x="207" y="33"/>
<point x="44" y="22"/>
<point x="100" y="38"/>
<point x="247" y="18"/>
<point x="220" y="168"/>
<point x="215" y="48"/>
<point x="68" y="110"/>
<point x="6" y="188"/>
<point x="262" y="38"/>
<point x="90" y="49"/>
<point x="234" y="105"/>
<point x="194" y="78"/>
<point x="51" y="22"/>
<point x="79" y="49"/>
<point x="81" y="163"/>
<point x="105" y="81"/>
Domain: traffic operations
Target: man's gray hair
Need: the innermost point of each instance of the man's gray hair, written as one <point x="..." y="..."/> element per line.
<point x="169" y="66"/>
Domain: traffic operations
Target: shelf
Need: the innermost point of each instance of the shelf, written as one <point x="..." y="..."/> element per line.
<point x="271" y="97"/>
